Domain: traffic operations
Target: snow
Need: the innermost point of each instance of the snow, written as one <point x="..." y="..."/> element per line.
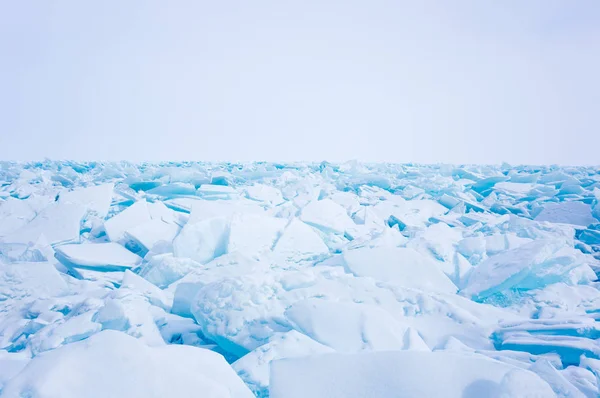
<point x="401" y="374"/>
<point x="298" y="279"/>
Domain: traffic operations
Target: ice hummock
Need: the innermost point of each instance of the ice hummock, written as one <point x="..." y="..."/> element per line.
<point x="298" y="279"/>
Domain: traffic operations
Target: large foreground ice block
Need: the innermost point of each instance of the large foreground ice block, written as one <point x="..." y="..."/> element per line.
<point x="106" y="256"/>
<point x="113" y="364"/>
<point x="402" y="374"/>
<point x="404" y="266"/>
<point x="532" y="265"/>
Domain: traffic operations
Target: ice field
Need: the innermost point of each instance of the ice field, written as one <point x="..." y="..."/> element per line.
<point x="298" y="280"/>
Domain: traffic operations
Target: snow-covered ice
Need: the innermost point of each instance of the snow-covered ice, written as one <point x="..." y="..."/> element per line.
<point x="285" y="280"/>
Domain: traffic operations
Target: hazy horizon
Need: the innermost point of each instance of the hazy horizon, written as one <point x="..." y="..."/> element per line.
<point x="405" y="82"/>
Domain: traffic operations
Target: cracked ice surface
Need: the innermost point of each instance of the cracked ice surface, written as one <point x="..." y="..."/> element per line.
<point x="285" y="280"/>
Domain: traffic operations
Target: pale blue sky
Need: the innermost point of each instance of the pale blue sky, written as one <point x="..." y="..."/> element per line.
<point x="462" y="81"/>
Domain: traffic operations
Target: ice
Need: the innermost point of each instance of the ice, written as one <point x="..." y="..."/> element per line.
<point x="252" y="234"/>
<point x="583" y="379"/>
<point x="58" y="223"/>
<point x="95" y="199"/>
<point x="133" y="216"/>
<point x="209" y="191"/>
<point x="328" y="216"/>
<point x="164" y="269"/>
<point x="413" y="341"/>
<point x="561" y="386"/>
<point x="576" y="213"/>
<point x="103" y="256"/>
<point x="402" y="374"/>
<point x="529" y="266"/>
<point x="130" y="311"/>
<point x="483" y="279"/>
<point x="173" y="190"/>
<point x="63" y="331"/>
<point x="254" y="367"/>
<point x="112" y="364"/>
<point x="11" y="364"/>
<point x="14" y="213"/>
<point x="202" y="210"/>
<point x="21" y="281"/>
<point x="154" y="295"/>
<point x="203" y="240"/>
<point x="264" y="193"/>
<point x="404" y="266"/>
<point x="298" y="241"/>
<point x="229" y="265"/>
<point x="409" y="213"/>
<point x="153" y="232"/>
<point x="347" y="327"/>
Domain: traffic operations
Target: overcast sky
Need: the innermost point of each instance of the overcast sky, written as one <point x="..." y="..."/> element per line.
<point x="401" y="81"/>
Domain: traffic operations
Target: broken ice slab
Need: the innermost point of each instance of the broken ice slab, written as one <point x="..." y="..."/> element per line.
<point x="152" y="232"/>
<point x="568" y="347"/>
<point x="96" y="199"/>
<point x="299" y="241"/>
<point x="254" y="367"/>
<point x="582" y="327"/>
<point x="58" y="223"/>
<point x="264" y="193"/>
<point x="575" y="213"/>
<point x="212" y="192"/>
<point x="404" y="266"/>
<point x="204" y="209"/>
<point x="569" y="338"/>
<point x="132" y="216"/>
<point x="173" y="190"/>
<point x="532" y="265"/>
<point x="347" y="327"/>
<point x="97" y="256"/>
<point x="327" y="216"/>
<point x="30" y="280"/>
